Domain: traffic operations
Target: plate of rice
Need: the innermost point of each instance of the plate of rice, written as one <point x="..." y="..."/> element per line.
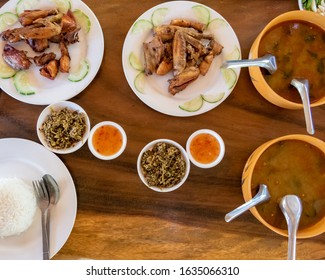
<point x="21" y="162"/>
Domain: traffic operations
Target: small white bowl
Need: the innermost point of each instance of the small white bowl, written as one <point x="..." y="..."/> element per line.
<point x="221" y="148"/>
<point x="91" y="145"/>
<point x="184" y="155"/>
<point x="59" y="106"/>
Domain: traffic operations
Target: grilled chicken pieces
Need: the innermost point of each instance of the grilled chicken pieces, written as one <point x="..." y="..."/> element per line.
<point x="16" y="59"/>
<point x="181" y="46"/>
<point x="39" y="29"/>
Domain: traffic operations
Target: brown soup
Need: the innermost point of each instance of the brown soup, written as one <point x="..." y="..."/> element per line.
<point x="299" y="48"/>
<point x="291" y="167"/>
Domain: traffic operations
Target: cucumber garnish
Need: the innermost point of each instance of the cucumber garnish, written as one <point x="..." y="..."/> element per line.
<point x="23" y="5"/>
<point x="135" y="62"/>
<point x="193" y="105"/>
<point x="213" y="98"/>
<point x="142" y="25"/>
<point x="81" y="72"/>
<point x="7" y="19"/>
<point x="139" y="82"/>
<point x="158" y="16"/>
<point x="5" y="70"/>
<point x="216" y="23"/>
<point x="229" y="76"/>
<point x="83" y="20"/>
<point x="234" y="55"/>
<point x="202" y="13"/>
<point x="22" y="83"/>
<point x="62" y="5"/>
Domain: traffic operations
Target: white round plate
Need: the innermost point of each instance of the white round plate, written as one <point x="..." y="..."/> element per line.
<point x="90" y="46"/>
<point x="30" y="161"/>
<point x="153" y="90"/>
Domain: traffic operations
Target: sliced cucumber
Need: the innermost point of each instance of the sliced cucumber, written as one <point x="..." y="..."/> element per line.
<point x="7" y="19"/>
<point x="81" y="72"/>
<point x="23" y="5"/>
<point x="229" y="76"/>
<point x="234" y="55"/>
<point x="83" y="20"/>
<point x="202" y="13"/>
<point x="142" y="25"/>
<point x="139" y="82"/>
<point x="158" y="16"/>
<point x="216" y="23"/>
<point x="5" y="70"/>
<point x="22" y="83"/>
<point x="62" y="5"/>
<point x="213" y="98"/>
<point x="193" y="105"/>
<point x="135" y="62"/>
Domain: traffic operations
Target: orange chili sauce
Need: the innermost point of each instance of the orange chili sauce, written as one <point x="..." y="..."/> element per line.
<point x="107" y="140"/>
<point x="204" y="148"/>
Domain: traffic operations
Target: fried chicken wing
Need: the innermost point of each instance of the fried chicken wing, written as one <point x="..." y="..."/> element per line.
<point x="179" y="52"/>
<point x="29" y="16"/>
<point x="50" y="70"/>
<point x="65" y="57"/>
<point x="16" y="59"/>
<point x="153" y="52"/>
<point x="182" y="80"/>
<point x="189" y="23"/>
<point x="44" y="58"/>
<point x="38" y="45"/>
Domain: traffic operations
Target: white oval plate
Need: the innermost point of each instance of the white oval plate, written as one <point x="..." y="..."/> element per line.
<point x="154" y="88"/>
<point x="90" y="46"/>
<point x="30" y="161"/>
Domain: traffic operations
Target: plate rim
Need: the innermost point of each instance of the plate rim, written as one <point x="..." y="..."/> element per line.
<point x="8" y="87"/>
<point x="53" y="161"/>
<point x="125" y="61"/>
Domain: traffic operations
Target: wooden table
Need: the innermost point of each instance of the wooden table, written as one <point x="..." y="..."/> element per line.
<point x="118" y="217"/>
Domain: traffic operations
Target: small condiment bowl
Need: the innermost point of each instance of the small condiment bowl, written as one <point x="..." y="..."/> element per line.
<point x="116" y="140"/>
<point x="247" y="187"/>
<point x="255" y="72"/>
<point x="214" y="148"/>
<point x="184" y="156"/>
<point x="57" y="107"/>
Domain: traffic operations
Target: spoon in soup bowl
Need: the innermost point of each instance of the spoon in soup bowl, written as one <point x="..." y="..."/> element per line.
<point x="267" y="61"/>
<point x="291" y="208"/>
<point x="261" y="196"/>
<point x="302" y="86"/>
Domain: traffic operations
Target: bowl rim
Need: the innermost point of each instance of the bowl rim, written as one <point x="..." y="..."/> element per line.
<point x="256" y="71"/>
<point x="185" y="157"/>
<point x="221" y="146"/>
<point x="311" y="231"/>
<point x="91" y="146"/>
<point x="61" y="105"/>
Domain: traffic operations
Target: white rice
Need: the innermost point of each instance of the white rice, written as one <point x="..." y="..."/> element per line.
<point x="17" y="206"/>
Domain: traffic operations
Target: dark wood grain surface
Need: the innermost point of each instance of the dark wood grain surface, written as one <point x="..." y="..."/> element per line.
<point x="118" y="217"/>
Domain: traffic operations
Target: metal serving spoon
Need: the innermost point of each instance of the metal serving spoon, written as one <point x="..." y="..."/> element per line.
<point x="291" y="207"/>
<point x="54" y="194"/>
<point x="302" y="86"/>
<point x="261" y="196"/>
<point x="267" y="61"/>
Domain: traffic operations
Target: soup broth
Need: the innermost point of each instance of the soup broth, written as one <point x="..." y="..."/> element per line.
<point x="299" y="48"/>
<point x="291" y="167"/>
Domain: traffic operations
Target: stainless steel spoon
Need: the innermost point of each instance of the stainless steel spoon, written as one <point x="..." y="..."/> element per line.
<point x="261" y="196"/>
<point x="54" y="194"/>
<point x="302" y="86"/>
<point x="267" y="61"/>
<point x="291" y="207"/>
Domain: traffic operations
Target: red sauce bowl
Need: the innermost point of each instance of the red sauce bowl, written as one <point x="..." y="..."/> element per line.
<point x="205" y="148"/>
<point x="107" y="140"/>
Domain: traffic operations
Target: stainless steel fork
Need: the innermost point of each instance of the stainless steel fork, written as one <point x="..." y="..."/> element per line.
<point x="43" y="202"/>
